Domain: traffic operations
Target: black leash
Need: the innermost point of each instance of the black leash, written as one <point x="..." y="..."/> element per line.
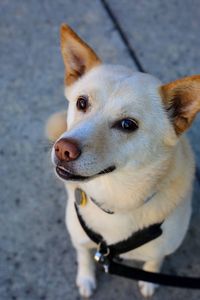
<point x="106" y="256"/>
<point x="158" y="278"/>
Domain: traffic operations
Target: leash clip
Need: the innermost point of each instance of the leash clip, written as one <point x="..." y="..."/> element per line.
<point x="101" y="256"/>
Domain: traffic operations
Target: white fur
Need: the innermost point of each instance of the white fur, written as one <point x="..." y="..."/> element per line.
<point x="152" y="159"/>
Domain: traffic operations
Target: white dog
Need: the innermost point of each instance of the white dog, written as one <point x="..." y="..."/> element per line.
<point x="124" y="147"/>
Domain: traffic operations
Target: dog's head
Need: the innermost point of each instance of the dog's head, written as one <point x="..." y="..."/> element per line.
<point x="118" y="119"/>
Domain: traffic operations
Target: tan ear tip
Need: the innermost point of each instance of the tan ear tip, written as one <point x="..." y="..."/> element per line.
<point x="56" y="125"/>
<point x="64" y="28"/>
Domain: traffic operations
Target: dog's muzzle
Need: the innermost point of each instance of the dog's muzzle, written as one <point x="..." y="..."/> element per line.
<point x="68" y="150"/>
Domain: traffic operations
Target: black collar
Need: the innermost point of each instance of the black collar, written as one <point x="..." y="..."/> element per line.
<point x="136" y="240"/>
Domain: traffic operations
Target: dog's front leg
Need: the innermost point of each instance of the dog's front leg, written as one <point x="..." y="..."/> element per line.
<point x="147" y="289"/>
<point x="85" y="279"/>
<point x="86" y="272"/>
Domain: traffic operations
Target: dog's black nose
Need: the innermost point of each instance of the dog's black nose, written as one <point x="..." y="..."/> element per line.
<point x="67" y="149"/>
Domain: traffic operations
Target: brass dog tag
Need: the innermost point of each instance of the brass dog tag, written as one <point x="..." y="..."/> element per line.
<point x="80" y="197"/>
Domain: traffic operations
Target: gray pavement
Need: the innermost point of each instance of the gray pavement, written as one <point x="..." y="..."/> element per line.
<point x="37" y="261"/>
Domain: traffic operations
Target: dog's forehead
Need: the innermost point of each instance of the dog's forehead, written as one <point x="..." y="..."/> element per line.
<point x="101" y="78"/>
<point x="137" y="89"/>
<point x="116" y="84"/>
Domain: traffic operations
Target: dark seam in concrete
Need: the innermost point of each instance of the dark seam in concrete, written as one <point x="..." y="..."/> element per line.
<point x="123" y="36"/>
<point x="197" y="173"/>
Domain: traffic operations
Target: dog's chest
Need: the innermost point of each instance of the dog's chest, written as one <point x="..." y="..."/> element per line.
<point x="113" y="226"/>
<point x="119" y="226"/>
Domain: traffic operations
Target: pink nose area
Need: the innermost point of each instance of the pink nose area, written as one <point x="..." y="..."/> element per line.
<point x="67" y="149"/>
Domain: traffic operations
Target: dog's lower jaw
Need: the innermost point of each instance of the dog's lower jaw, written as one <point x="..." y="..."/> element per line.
<point x="64" y="174"/>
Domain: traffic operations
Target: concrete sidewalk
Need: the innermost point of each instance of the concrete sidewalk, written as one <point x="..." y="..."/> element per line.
<point x="37" y="261"/>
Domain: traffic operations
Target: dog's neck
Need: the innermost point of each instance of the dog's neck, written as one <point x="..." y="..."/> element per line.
<point x="124" y="190"/>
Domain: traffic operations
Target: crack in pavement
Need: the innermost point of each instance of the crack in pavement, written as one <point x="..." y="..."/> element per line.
<point x="123" y="36"/>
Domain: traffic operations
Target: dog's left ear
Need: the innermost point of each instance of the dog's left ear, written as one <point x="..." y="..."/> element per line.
<point x="182" y="101"/>
<point x="78" y="57"/>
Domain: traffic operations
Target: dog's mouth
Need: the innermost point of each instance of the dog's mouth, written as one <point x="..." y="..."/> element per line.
<point x="67" y="175"/>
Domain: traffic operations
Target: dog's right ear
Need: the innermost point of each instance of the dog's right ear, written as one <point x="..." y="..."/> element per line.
<point x="77" y="55"/>
<point x="182" y="101"/>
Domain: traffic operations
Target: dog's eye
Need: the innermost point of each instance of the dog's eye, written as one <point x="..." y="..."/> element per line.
<point x="126" y="125"/>
<point x="82" y="103"/>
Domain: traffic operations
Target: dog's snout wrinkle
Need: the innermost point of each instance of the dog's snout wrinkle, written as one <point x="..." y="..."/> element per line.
<point x="67" y="149"/>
